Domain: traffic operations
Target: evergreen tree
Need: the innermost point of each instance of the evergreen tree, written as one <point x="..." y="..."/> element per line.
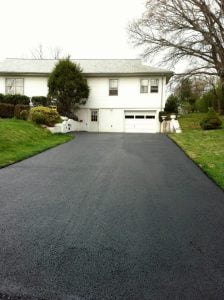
<point x="171" y="104"/>
<point x="68" y="87"/>
<point x="187" y="94"/>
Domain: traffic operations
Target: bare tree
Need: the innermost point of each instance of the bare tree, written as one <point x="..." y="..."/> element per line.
<point x="38" y="52"/>
<point x="179" y="30"/>
<point x="56" y="52"/>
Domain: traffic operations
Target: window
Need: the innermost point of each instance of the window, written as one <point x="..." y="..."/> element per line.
<point x="14" y="86"/>
<point x="94" y="115"/>
<point x="150" y="117"/>
<point x="154" y="83"/>
<point x="129" y="117"/>
<point x="113" y="87"/>
<point x="139" y="117"/>
<point x="144" y="86"/>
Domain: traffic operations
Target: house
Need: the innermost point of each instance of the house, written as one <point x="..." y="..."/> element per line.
<point x="125" y="94"/>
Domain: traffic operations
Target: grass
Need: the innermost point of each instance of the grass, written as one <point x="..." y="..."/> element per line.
<point x="206" y="148"/>
<point x="21" y="139"/>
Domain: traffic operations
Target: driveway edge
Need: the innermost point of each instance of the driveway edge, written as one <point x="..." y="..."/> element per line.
<point x="196" y="164"/>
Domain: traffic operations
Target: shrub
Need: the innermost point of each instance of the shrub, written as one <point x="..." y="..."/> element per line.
<point x="2" y="98"/>
<point x="45" y="116"/>
<point x="16" y="99"/>
<point x="38" y="117"/>
<point x="211" y="121"/>
<point x="171" y="105"/>
<point x="185" y="108"/>
<point x="202" y="105"/>
<point x="39" y="101"/>
<point x="19" y="108"/>
<point x="6" y="110"/>
<point x="24" y="114"/>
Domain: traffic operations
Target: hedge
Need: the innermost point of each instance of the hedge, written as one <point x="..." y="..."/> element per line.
<point x="2" y="98"/>
<point x="24" y="114"/>
<point x="39" y="100"/>
<point x="6" y="110"/>
<point x="15" y="99"/>
<point x="19" y="108"/>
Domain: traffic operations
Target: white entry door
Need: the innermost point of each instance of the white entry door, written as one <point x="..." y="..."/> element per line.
<point x="94" y="120"/>
<point x="140" y="121"/>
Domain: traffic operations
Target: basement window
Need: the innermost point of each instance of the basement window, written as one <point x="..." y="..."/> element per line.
<point x="113" y="87"/>
<point x="14" y="86"/>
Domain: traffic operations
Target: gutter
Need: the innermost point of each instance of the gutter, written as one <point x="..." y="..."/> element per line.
<point x="41" y="74"/>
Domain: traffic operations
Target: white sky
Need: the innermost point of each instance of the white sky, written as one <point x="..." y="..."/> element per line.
<point x="81" y="28"/>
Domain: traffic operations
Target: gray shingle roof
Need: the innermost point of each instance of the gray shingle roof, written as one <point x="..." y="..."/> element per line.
<point x="89" y="67"/>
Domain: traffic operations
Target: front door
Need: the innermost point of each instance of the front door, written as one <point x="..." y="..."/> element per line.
<point x="94" y="120"/>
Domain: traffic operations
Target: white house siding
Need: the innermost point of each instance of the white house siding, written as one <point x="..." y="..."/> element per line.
<point x="129" y="95"/>
<point x="2" y="85"/>
<point x="113" y="120"/>
<point x="111" y="109"/>
<point x="33" y="86"/>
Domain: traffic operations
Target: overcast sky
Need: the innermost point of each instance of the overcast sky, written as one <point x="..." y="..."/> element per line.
<point x="82" y="28"/>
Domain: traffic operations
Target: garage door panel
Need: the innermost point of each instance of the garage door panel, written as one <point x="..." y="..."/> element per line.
<point x="140" y="121"/>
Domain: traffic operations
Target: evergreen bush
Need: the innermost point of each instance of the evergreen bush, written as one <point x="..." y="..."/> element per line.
<point x="44" y="115"/>
<point x="39" y="101"/>
<point x="19" y="108"/>
<point x="2" y="98"/>
<point x="211" y="121"/>
<point x="24" y="114"/>
<point x="16" y="99"/>
<point x="171" y="105"/>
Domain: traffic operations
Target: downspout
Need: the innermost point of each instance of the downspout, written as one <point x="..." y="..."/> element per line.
<point x="162" y="95"/>
<point x="161" y="105"/>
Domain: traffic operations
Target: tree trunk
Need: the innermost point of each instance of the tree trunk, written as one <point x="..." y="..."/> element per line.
<point x="221" y="99"/>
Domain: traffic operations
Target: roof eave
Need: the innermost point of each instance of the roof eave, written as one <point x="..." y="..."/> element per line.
<point x="3" y="73"/>
<point x="168" y="74"/>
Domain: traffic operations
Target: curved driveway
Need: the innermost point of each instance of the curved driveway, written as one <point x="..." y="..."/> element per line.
<point x="111" y="216"/>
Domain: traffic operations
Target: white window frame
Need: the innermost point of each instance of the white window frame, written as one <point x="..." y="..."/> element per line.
<point x="113" y="89"/>
<point x="142" y="91"/>
<point x="15" y="86"/>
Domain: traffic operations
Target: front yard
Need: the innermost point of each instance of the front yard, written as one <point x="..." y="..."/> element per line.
<point x="21" y="139"/>
<point x="206" y="148"/>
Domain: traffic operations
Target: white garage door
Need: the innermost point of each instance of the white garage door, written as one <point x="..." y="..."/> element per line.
<point x="140" y="121"/>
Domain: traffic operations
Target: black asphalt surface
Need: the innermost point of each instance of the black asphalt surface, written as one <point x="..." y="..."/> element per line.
<point x="111" y="216"/>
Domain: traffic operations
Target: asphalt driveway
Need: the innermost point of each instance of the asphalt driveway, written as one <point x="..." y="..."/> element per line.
<point x="111" y="216"/>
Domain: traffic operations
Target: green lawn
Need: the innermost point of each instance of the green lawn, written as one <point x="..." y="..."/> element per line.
<point x="206" y="148"/>
<point x="20" y="139"/>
